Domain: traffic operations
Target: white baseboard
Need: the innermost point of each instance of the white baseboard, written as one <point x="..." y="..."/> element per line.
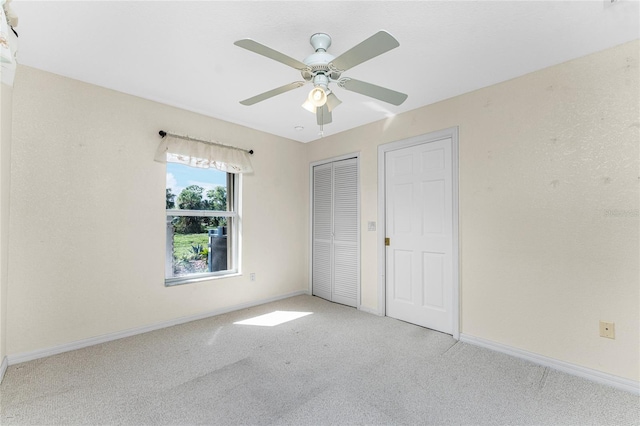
<point x="79" y="344"/>
<point x="566" y="367"/>
<point x="3" y="367"/>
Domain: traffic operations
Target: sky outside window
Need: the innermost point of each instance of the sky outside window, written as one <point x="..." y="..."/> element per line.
<point x="180" y="176"/>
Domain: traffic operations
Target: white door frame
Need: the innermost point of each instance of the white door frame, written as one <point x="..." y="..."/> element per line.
<point x="452" y="133"/>
<point x="311" y="166"/>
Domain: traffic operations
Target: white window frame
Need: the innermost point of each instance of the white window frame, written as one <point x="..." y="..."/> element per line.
<point x="233" y="237"/>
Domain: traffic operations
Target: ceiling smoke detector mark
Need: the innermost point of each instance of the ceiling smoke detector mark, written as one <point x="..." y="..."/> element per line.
<point x="608" y="3"/>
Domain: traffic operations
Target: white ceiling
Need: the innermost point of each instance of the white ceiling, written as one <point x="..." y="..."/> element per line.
<point x="182" y="53"/>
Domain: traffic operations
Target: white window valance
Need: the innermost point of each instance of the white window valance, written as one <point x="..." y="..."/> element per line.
<point x="202" y="154"/>
<point x="8" y="42"/>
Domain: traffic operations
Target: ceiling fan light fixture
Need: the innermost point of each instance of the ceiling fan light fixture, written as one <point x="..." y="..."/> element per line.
<point x="332" y="101"/>
<point x="317" y="97"/>
<point x="309" y="106"/>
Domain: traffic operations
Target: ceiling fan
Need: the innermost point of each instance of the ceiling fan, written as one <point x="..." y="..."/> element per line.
<point x="322" y="68"/>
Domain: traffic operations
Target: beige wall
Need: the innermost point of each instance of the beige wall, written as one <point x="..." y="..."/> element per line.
<point x="549" y="195"/>
<point x="87" y="214"/>
<point x="7" y="74"/>
<point x="5" y="181"/>
<point x="549" y="199"/>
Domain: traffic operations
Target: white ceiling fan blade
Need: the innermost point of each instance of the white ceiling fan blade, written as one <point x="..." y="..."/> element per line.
<point x="375" y="45"/>
<point x="271" y="93"/>
<point x="323" y="115"/>
<point x="263" y="50"/>
<point x="373" y="91"/>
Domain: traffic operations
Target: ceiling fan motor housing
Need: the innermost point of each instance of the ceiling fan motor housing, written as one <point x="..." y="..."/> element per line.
<point x="320" y="41"/>
<point x="319" y="61"/>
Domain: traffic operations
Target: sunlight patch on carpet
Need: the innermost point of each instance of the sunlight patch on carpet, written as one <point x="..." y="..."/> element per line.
<point x="274" y="318"/>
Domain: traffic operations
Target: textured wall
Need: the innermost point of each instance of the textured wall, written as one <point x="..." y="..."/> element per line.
<point x="88" y="222"/>
<point x="548" y="210"/>
<point x="6" y="95"/>
<point x="549" y="199"/>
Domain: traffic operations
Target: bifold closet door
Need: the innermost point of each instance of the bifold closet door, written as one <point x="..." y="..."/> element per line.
<point x="336" y="248"/>
<point x="322" y="268"/>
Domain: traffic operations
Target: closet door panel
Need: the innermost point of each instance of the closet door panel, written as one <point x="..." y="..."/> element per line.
<point x="345" y="239"/>
<point x="322" y="270"/>
<point x="345" y="200"/>
<point x="322" y="202"/>
<point x="345" y="284"/>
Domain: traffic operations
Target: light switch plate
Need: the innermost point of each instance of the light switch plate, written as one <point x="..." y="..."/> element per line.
<point x="371" y="226"/>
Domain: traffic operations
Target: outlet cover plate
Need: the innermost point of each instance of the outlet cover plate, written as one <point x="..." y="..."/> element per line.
<point x="607" y="329"/>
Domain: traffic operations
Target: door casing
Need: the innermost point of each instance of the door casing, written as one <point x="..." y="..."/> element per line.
<point x="452" y="133"/>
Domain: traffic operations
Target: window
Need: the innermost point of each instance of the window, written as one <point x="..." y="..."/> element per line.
<point x="202" y="223"/>
<point x="203" y="217"/>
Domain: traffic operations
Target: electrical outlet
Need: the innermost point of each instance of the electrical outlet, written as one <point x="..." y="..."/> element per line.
<point x="608" y="330"/>
<point x="371" y="226"/>
<point x="252" y="276"/>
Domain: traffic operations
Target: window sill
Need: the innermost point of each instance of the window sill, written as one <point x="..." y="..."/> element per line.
<point x="172" y="282"/>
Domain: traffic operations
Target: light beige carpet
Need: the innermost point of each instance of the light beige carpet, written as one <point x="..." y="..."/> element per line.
<point x="335" y="366"/>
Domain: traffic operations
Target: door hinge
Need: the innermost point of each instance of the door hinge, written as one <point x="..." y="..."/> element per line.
<point x="387" y="241"/>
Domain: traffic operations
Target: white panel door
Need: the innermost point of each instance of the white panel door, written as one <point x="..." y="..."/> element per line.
<point x="419" y="225"/>
<point x="336" y="248"/>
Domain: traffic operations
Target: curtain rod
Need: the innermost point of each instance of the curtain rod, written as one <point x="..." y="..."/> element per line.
<point x="162" y="133"/>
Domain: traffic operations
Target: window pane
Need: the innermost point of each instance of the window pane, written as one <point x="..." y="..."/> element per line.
<point x="200" y="245"/>
<point x="197" y="245"/>
<point x="189" y="188"/>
